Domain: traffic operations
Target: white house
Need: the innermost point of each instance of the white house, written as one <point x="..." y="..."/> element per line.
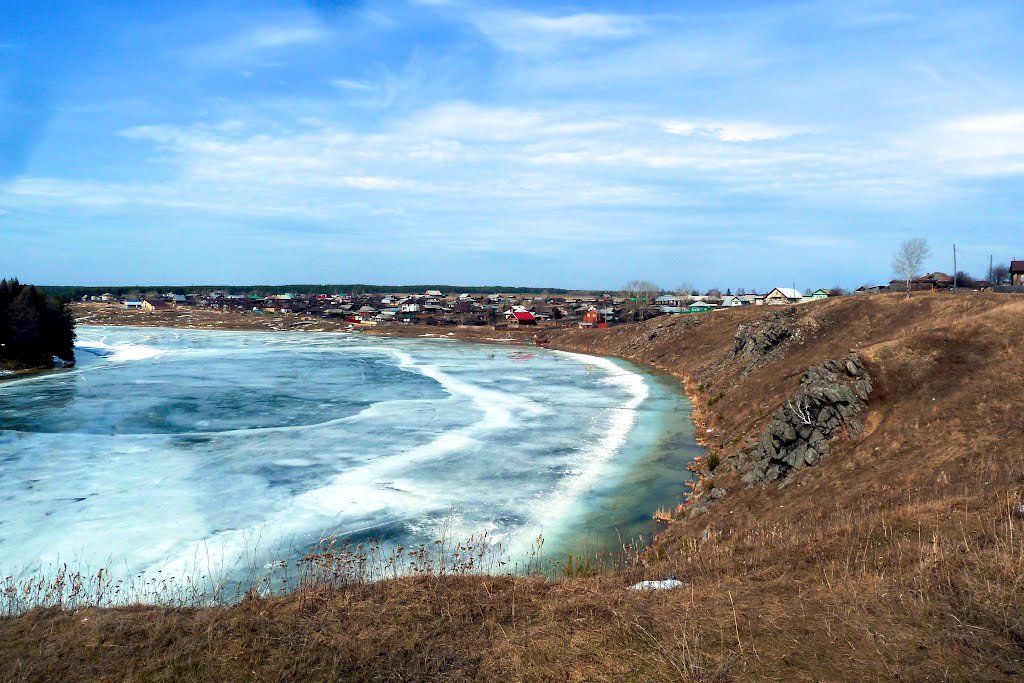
<point x="730" y="301"/>
<point x="133" y="304"/>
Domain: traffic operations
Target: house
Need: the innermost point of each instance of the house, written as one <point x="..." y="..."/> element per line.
<point x="936" y="280"/>
<point x="930" y="282"/>
<point x="701" y="307"/>
<point x="594" y="318"/>
<point x="730" y="301"/>
<point x="154" y="305"/>
<point x="780" y="296"/>
<point x="817" y="294"/>
<point x="515" y="317"/>
<point x="133" y="304"/>
<point x="434" y="293"/>
<point x="668" y="300"/>
<point x="1017" y="273"/>
<point x="870" y="289"/>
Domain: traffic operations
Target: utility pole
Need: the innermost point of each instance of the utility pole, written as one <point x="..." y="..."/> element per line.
<point x="954" y="267"/>
<point x="990" y="270"/>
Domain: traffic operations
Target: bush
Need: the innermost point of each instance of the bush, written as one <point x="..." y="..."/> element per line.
<point x="712" y="461"/>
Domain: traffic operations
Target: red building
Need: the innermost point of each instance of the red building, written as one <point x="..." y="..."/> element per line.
<point x="521" y="318"/>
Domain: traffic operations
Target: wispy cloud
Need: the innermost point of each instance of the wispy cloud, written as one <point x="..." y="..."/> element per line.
<point x="526" y="32"/>
<point x="980" y="145"/>
<point x="731" y="131"/>
<point x="251" y="43"/>
<point x="348" y="84"/>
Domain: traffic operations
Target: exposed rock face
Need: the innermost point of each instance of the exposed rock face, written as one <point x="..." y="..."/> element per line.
<point x="668" y="324"/>
<point x="830" y="397"/>
<point x="762" y="338"/>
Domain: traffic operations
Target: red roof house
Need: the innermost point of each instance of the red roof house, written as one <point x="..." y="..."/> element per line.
<point x="521" y="318"/>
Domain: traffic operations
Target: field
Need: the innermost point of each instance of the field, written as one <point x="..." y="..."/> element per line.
<point x="896" y="556"/>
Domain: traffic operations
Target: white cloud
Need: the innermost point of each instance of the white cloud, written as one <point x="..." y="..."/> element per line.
<point x="979" y="145"/>
<point x="538" y="33"/>
<point x="347" y="84"/>
<point x="731" y="131"/>
<point x="280" y="36"/>
<point x="1007" y="125"/>
<point x="583" y="25"/>
<point x="251" y="43"/>
<point x="468" y="121"/>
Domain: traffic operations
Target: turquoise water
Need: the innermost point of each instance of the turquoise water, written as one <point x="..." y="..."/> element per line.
<point x="167" y="450"/>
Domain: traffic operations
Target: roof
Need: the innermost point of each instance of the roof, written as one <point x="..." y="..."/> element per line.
<point x="523" y="316"/>
<point x="788" y="292"/>
<point x="1017" y="266"/>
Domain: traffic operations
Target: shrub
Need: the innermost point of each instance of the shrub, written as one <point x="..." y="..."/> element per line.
<point x="712" y="461"/>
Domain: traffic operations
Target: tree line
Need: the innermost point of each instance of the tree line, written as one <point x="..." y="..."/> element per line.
<point x="34" y="328"/>
<point x="73" y="292"/>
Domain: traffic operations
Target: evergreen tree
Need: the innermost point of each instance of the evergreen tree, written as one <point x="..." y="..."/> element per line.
<point x="34" y="328"/>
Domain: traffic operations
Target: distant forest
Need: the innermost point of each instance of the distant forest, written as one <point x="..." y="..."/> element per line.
<point x="72" y="292"/>
<point x="34" y="328"/>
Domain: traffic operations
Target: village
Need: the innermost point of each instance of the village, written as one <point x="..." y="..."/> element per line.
<point x="517" y="310"/>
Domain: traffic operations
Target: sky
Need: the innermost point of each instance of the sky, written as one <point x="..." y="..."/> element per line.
<point x="729" y="144"/>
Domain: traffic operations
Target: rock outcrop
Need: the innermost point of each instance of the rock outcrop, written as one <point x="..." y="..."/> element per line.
<point x="761" y="339"/>
<point x="829" y="398"/>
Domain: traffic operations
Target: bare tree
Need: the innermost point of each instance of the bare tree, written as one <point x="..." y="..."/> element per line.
<point x="1001" y="274"/>
<point x="640" y="296"/>
<point x="907" y="261"/>
<point x="683" y="291"/>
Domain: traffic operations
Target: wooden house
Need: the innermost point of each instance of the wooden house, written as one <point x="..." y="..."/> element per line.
<point x="1017" y="273"/>
<point x="780" y="296"/>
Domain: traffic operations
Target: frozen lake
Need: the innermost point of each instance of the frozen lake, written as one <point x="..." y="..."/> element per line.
<point x="167" y="450"/>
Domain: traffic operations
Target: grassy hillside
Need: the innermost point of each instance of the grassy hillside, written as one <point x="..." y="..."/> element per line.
<point x="897" y="555"/>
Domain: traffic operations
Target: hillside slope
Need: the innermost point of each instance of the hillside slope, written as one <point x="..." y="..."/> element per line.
<point x="896" y="554"/>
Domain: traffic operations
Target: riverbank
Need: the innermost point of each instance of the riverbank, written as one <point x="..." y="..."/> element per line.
<point x="895" y="555"/>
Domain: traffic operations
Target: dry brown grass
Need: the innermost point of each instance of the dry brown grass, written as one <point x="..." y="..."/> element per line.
<point x="898" y="556"/>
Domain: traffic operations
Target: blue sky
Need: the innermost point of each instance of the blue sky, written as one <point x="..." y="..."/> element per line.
<point x="737" y="144"/>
